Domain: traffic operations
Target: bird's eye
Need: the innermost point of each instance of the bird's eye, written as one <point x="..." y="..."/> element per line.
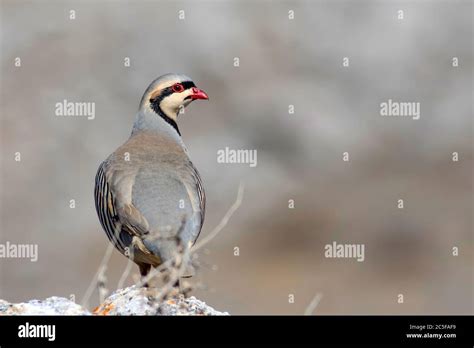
<point x="177" y="87"/>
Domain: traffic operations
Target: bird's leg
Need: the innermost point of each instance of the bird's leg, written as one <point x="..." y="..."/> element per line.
<point x="144" y="269"/>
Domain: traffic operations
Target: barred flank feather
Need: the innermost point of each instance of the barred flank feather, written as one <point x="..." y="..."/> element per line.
<point x="104" y="204"/>
<point x="201" y="195"/>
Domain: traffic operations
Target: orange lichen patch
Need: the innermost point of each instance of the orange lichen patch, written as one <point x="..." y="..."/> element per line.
<point x="104" y="309"/>
<point x="172" y="302"/>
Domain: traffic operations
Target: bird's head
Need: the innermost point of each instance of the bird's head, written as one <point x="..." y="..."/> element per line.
<point x="169" y="93"/>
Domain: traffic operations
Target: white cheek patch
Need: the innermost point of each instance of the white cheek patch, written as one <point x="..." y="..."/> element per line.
<point x="170" y="105"/>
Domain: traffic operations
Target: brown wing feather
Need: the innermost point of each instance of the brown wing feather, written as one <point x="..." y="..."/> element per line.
<point x="124" y="225"/>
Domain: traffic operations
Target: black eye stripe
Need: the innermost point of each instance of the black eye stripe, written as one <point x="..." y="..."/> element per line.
<point x="169" y="90"/>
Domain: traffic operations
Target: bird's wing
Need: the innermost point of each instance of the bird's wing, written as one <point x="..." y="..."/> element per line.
<point x="193" y="183"/>
<point x="105" y="206"/>
<point x="119" y="217"/>
<point x="120" y="183"/>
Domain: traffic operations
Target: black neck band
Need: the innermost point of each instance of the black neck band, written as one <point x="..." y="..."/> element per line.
<point x="155" y="105"/>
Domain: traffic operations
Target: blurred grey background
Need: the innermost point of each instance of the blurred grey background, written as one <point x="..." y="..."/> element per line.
<point x="282" y="62"/>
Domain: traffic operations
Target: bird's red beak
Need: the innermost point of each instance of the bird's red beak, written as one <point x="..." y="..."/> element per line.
<point x="198" y="94"/>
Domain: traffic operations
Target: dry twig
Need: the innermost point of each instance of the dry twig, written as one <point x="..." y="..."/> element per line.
<point x="313" y="304"/>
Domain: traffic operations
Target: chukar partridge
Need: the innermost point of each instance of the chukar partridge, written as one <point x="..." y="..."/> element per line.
<point x="148" y="194"/>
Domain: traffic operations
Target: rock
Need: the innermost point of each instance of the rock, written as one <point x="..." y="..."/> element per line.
<point x="51" y="306"/>
<point x="139" y="301"/>
<point x="127" y="301"/>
